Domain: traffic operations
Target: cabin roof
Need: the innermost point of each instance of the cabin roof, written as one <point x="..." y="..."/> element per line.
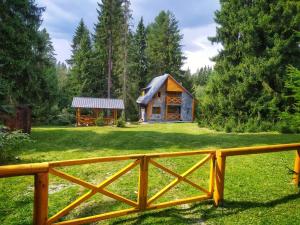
<point x="97" y="103"/>
<point x="153" y="87"/>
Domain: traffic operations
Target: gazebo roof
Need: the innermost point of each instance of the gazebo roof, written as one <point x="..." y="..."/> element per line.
<point x="97" y="103"/>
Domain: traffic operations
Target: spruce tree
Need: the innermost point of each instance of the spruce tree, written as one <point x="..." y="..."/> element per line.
<point x="20" y="21"/>
<point x="259" y="41"/>
<point x="79" y="32"/>
<point x="107" y="43"/>
<point x="140" y="59"/>
<point x="164" y="50"/>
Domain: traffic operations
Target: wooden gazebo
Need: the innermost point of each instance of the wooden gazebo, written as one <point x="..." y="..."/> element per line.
<point x="109" y="107"/>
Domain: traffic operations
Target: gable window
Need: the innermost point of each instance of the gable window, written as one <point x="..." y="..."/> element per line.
<point x="158" y="94"/>
<point x="155" y="110"/>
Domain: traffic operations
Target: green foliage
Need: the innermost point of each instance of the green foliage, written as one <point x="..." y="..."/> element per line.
<point x="100" y="120"/>
<point x="121" y="122"/>
<point x="290" y="119"/>
<point x="65" y="118"/>
<point x="10" y="143"/>
<point x="108" y="35"/>
<point x="164" y="51"/>
<point x="248" y="85"/>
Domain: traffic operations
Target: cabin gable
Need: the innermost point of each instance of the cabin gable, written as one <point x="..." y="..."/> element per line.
<point x="165" y="99"/>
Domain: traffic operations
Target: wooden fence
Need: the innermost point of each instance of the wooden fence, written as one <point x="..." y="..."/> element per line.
<point x="215" y="188"/>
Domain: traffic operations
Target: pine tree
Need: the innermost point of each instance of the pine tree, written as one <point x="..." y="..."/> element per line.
<point x="164" y="50"/>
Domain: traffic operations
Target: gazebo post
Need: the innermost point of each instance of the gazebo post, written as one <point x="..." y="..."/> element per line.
<point x="77" y="116"/>
<point x="115" y="116"/>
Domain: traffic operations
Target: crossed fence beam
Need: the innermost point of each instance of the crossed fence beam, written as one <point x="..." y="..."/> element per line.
<point x="215" y="191"/>
<point x="142" y="186"/>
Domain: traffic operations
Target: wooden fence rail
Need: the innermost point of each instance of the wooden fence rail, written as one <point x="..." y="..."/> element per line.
<point x="215" y="189"/>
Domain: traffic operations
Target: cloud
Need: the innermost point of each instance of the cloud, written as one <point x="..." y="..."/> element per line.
<point x="195" y="20"/>
<point x="62" y="49"/>
<point x="190" y="13"/>
<point x="197" y="48"/>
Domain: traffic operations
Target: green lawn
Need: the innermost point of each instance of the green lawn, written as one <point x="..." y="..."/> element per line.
<point x="258" y="188"/>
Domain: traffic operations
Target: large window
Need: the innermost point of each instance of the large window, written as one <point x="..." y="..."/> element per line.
<point x="156" y="110"/>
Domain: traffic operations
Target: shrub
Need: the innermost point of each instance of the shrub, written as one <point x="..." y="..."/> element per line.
<point x="65" y="118"/>
<point x="10" y="143"/>
<point x="121" y="121"/>
<point x="100" y="120"/>
<point x="229" y="126"/>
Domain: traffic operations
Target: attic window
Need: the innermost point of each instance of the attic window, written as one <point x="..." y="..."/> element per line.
<point x="158" y="94"/>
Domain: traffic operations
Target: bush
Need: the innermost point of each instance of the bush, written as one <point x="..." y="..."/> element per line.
<point x="100" y="120"/>
<point x="121" y="121"/>
<point x="229" y="126"/>
<point x="65" y="118"/>
<point x="10" y="143"/>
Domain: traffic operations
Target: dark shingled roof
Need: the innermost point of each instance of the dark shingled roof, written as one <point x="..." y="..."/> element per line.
<point x="97" y="103"/>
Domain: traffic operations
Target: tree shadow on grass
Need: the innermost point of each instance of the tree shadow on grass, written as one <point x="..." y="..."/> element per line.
<point x="142" y="141"/>
<point x="201" y="212"/>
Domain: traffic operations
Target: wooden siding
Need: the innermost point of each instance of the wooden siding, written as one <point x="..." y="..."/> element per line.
<point x="172" y="85"/>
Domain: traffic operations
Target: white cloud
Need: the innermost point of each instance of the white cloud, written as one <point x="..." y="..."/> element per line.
<point x="62" y="49"/>
<point x="54" y="12"/>
<point x="197" y="48"/>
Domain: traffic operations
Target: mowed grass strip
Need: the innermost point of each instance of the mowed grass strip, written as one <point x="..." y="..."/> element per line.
<point x="258" y="188"/>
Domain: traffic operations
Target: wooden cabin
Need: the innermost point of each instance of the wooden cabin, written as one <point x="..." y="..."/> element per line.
<point x="88" y="110"/>
<point x="165" y="99"/>
<point x="16" y="117"/>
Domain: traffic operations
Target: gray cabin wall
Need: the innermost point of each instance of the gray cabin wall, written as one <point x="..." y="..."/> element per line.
<point x="159" y="102"/>
<point x="186" y="107"/>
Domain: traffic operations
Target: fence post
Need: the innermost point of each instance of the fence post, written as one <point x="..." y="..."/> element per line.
<point x="220" y="176"/>
<point x="40" y="213"/>
<point x="143" y="183"/>
<point x="297" y="168"/>
<point x="212" y="174"/>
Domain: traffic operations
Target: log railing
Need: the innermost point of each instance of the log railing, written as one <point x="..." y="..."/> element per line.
<point x="173" y="116"/>
<point x="143" y="202"/>
<point x="85" y="120"/>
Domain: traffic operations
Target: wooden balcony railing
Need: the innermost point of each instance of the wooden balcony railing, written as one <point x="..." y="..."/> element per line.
<point x="85" y="120"/>
<point x="173" y="100"/>
<point x="173" y="116"/>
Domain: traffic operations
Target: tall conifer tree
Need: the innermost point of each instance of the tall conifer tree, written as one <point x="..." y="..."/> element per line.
<point x="140" y="59"/>
<point x="259" y="41"/>
<point x="107" y="41"/>
<point x="164" y="50"/>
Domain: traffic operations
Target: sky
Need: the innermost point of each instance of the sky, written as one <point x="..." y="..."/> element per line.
<point x="195" y="17"/>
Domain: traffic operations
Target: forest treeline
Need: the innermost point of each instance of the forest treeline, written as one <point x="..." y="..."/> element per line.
<point x="254" y="85"/>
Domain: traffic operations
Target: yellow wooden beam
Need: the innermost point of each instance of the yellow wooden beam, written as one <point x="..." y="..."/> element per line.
<point x="212" y="174"/>
<point x="297" y="168"/>
<point x="94" y="189"/>
<point x="91" y="219"/>
<point x="220" y="178"/>
<point x="181" y="178"/>
<point x="40" y="211"/>
<point x="23" y="169"/>
<point x="178" y="202"/>
<point x="177" y="180"/>
<point x="143" y="183"/>
<point x="259" y="149"/>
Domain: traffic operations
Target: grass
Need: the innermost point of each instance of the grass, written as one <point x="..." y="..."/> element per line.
<point x="258" y="188"/>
